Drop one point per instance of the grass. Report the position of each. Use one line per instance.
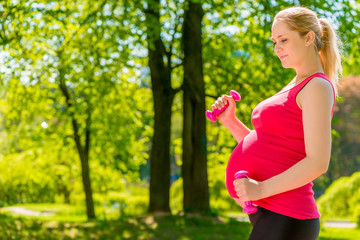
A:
(339, 234)
(69, 222)
(141, 227)
(64, 212)
(56, 212)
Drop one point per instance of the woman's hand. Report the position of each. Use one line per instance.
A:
(228, 118)
(248, 190)
(229, 113)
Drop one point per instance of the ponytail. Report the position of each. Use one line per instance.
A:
(329, 52)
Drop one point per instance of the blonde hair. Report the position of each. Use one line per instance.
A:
(327, 42)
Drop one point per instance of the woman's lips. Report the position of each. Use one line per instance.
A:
(282, 57)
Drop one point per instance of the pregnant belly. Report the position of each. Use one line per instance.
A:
(261, 157)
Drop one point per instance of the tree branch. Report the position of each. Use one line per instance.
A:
(176, 90)
(69, 104)
(211, 96)
(88, 128)
(82, 24)
(177, 65)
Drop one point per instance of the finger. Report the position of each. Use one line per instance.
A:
(229, 99)
(239, 195)
(214, 106)
(225, 99)
(242, 197)
(238, 188)
(239, 181)
(218, 104)
(221, 102)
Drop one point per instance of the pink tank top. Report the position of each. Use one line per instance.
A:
(276, 144)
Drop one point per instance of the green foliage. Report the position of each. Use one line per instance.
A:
(64, 46)
(18, 183)
(40, 176)
(98, 49)
(176, 196)
(342, 199)
(220, 201)
(335, 200)
(122, 203)
(345, 157)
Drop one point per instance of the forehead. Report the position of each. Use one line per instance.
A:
(280, 28)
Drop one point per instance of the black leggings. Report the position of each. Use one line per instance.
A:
(268, 225)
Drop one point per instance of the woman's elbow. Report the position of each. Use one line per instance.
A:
(320, 164)
(323, 164)
(324, 168)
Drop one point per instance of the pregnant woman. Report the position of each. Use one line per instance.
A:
(290, 145)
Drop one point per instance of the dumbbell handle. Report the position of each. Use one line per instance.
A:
(211, 115)
(249, 207)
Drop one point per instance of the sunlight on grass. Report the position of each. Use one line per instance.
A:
(70, 222)
(141, 227)
(339, 234)
(47, 211)
(150, 221)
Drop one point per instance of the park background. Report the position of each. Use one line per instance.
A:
(102, 127)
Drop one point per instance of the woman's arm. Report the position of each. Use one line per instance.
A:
(316, 101)
(237, 129)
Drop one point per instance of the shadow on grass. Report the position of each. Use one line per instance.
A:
(143, 227)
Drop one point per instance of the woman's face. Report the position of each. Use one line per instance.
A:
(289, 46)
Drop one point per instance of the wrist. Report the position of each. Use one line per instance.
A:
(263, 190)
(229, 121)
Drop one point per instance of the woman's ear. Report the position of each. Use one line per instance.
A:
(309, 38)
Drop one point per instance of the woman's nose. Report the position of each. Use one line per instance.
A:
(277, 49)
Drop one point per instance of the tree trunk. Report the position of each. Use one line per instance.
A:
(82, 150)
(85, 173)
(194, 167)
(67, 194)
(163, 96)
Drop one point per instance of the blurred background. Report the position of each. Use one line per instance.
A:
(102, 127)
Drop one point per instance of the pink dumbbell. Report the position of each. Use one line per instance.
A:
(211, 115)
(249, 207)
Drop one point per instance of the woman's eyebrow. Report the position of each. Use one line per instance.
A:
(277, 37)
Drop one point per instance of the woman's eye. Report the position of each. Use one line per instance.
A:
(282, 41)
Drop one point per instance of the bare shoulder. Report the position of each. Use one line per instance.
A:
(317, 89)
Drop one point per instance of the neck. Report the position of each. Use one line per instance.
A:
(309, 66)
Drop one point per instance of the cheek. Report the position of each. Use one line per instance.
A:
(301, 51)
(296, 50)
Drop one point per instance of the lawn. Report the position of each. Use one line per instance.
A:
(142, 227)
(67, 224)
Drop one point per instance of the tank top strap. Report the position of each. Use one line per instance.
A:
(301, 85)
(306, 80)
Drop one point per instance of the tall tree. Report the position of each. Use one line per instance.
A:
(163, 96)
(82, 147)
(72, 55)
(194, 165)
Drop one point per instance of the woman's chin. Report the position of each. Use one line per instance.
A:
(285, 65)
